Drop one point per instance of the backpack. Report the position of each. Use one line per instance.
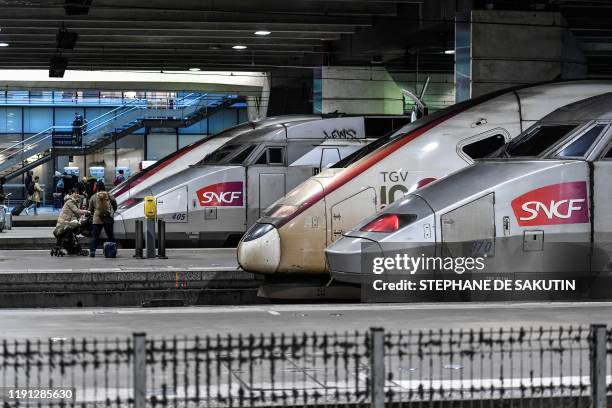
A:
(103, 204)
(31, 188)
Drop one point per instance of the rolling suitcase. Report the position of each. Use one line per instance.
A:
(110, 250)
(20, 207)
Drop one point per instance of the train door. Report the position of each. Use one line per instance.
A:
(469, 230)
(329, 156)
(266, 181)
(602, 217)
(348, 212)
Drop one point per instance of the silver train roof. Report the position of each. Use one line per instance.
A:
(595, 108)
(313, 127)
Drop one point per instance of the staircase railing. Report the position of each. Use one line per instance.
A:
(37, 146)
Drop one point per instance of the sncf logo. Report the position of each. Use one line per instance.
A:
(564, 203)
(228, 194)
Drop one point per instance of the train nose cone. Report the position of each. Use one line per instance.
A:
(346, 258)
(259, 250)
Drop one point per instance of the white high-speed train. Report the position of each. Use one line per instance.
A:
(141, 183)
(538, 208)
(288, 242)
(214, 201)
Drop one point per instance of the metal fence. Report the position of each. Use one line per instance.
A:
(549, 367)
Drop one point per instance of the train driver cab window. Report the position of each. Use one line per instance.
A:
(272, 156)
(484, 147)
(581, 145)
(536, 141)
(242, 156)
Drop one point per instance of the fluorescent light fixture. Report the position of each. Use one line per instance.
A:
(194, 69)
(239, 47)
(449, 52)
(3, 44)
(262, 32)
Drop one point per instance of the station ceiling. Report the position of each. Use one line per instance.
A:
(184, 34)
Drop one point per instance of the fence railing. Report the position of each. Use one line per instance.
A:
(543, 367)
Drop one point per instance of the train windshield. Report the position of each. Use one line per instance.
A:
(229, 154)
(167, 160)
(535, 141)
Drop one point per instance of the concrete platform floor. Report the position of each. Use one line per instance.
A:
(40, 261)
(212, 320)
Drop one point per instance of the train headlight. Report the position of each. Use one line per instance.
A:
(258, 230)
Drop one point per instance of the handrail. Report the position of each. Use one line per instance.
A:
(129, 107)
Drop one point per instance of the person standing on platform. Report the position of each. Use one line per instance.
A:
(102, 205)
(28, 181)
(34, 195)
(120, 177)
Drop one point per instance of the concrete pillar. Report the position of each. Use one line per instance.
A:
(257, 106)
(356, 90)
(498, 49)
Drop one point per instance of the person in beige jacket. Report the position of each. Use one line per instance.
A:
(36, 196)
(70, 212)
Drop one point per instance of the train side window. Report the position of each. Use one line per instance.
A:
(272, 155)
(275, 155)
(580, 146)
(608, 154)
(484, 147)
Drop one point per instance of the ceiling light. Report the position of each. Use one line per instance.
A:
(449, 52)
(3, 44)
(194, 69)
(262, 32)
(239, 47)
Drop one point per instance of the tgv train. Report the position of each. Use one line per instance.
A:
(214, 202)
(540, 204)
(140, 184)
(291, 237)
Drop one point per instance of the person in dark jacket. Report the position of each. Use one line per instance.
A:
(2, 193)
(28, 180)
(102, 205)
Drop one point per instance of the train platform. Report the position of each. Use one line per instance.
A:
(20, 237)
(33, 278)
(297, 318)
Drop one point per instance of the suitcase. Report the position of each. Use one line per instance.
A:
(110, 250)
(20, 207)
(57, 200)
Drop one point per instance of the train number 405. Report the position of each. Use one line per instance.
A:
(179, 216)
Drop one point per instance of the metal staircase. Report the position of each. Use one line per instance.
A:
(108, 128)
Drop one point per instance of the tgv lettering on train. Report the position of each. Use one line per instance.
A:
(341, 134)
